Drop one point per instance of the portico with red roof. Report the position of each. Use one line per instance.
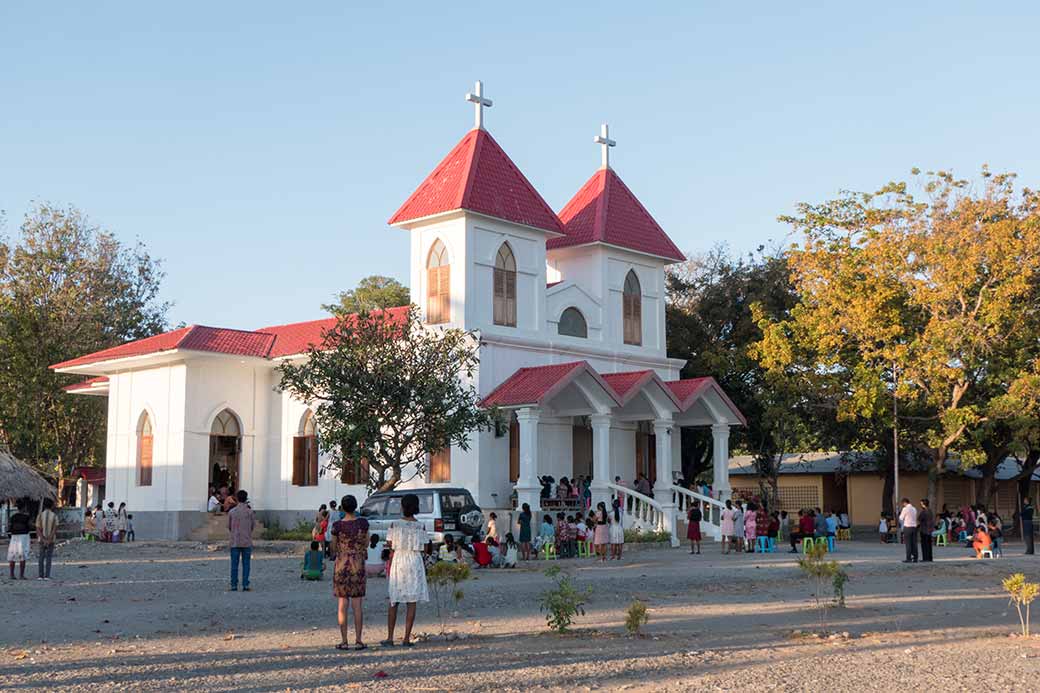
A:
(570, 309)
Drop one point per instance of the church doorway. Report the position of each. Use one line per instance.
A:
(225, 448)
(581, 451)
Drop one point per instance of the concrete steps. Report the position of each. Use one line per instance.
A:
(214, 528)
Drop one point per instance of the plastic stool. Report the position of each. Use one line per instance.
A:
(583, 549)
(940, 540)
(762, 545)
(830, 544)
(987, 553)
(772, 545)
(845, 534)
(807, 544)
(963, 536)
(549, 551)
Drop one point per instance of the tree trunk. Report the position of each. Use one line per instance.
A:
(887, 489)
(1025, 476)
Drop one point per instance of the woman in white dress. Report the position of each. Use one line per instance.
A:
(406, 582)
(617, 531)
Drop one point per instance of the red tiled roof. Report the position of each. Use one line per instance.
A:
(140, 347)
(477, 175)
(268, 342)
(93, 475)
(605, 211)
(686, 391)
(532, 385)
(623, 382)
(88, 384)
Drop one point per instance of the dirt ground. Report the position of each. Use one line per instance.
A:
(159, 616)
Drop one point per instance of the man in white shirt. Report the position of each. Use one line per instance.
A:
(908, 520)
(213, 506)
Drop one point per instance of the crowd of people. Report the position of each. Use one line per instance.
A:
(977, 527)
(108, 523)
(743, 523)
(221, 499)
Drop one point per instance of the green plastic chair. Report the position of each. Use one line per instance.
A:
(549, 551)
(940, 539)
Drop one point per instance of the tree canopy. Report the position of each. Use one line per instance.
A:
(390, 391)
(936, 294)
(372, 293)
(67, 288)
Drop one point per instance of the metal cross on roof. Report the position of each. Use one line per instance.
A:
(603, 139)
(476, 97)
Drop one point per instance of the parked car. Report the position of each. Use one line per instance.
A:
(441, 510)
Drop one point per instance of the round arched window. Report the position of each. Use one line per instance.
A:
(572, 324)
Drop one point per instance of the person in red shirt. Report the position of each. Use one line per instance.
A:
(805, 528)
(480, 553)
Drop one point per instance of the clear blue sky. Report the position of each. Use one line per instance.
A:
(259, 148)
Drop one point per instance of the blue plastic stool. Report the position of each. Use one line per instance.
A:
(830, 544)
(763, 545)
(772, 545)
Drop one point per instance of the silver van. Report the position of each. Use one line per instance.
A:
(441, 510)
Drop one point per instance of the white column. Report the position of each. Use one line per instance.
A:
(527, 486)
(720, 460)
(663, 431)
(600, 459)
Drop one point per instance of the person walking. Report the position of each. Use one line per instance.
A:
(241, 522)
(121, 524)
(1027, 524)
(46, 534)
(350, 539)
(406, 582)
(925, 527)
(908, 521)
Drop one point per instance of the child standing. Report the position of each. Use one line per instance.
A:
(130, 527)
(617, 532)
(882, 529)
(313, 563)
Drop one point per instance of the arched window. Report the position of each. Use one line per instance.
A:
(225, 449)
(632, 310)
(305, 453)
(226, 424)
(438, 285)
(572, 323)
(505, 287)
(144, 450)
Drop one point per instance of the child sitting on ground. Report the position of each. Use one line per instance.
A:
(374, 561)
(449, 551)
(313, 563)
(511, 552)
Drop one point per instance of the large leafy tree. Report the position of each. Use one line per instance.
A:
(372, 293)
(933, 294)
(715, 304)
(390, 391)
(67, 288)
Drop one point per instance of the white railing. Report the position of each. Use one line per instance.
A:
(644, 513)
(711, 510)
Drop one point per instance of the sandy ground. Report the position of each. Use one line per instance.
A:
(158, 616)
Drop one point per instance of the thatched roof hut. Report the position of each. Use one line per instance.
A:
(19, 480)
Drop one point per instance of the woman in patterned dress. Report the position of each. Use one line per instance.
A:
(348, 580)
(406, 582)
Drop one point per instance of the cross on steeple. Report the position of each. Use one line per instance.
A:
(476, 97)
(603, 139)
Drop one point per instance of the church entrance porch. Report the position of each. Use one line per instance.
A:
(225, 449)
(569, 419)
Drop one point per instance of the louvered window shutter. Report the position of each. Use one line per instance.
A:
(299, 458)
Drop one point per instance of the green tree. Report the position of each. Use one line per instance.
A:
(372, 293)
(712, 324)
(66, 288)
(926, 293)
(390, 390)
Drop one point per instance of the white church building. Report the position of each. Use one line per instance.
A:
(570, 308)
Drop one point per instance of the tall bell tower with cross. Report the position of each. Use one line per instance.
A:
(476, 97)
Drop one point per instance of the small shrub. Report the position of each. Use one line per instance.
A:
(636, 536)
(275, 532)
(444, 577)
(1021, 594)
(817, 568)
(636, 617)
(562, 602)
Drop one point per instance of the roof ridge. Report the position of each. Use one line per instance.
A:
(468, 175)
(516, 169)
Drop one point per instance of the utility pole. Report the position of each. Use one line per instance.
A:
(895, 438)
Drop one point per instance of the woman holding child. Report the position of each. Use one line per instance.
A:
(348, 581)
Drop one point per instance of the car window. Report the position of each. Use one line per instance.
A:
(455, 501)
(393, 506)
(373, 506)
